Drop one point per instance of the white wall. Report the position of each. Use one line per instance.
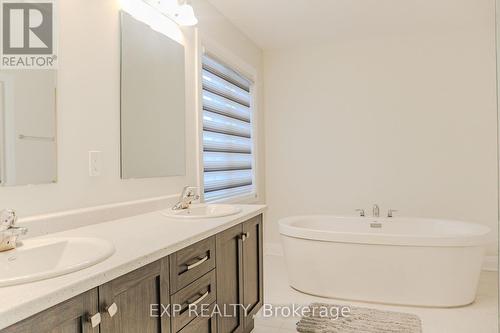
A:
(89, 115)
(405, 119)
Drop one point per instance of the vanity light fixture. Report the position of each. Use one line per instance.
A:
(181, 13)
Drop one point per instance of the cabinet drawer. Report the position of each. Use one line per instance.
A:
(202, 324)
(201, 292)
(191, 263)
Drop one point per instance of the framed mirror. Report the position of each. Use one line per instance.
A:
(152, 102)
(28, 140)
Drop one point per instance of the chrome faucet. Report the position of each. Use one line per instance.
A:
(8, 231)
(187, 197)
(376, 211)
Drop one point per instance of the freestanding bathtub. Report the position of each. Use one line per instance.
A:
(410, 261)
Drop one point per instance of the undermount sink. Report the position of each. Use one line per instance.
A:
(39, 259)
(203, 211)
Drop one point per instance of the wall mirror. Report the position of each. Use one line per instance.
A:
(28, 147)
(152, 102)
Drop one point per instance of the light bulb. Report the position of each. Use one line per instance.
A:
(184, 15)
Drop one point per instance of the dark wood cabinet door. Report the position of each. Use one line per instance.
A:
(229, 254)
(253, 291)
(133, 294)
(68, 317)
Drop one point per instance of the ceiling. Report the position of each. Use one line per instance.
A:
(285, 23)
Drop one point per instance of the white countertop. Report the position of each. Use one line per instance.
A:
(139, 240)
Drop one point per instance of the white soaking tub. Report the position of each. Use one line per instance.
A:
(410, 261)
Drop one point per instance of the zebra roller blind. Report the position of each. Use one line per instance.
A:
(227, 131)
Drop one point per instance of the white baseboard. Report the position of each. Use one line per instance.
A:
(490, 263)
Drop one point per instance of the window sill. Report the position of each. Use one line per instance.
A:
(244, 199)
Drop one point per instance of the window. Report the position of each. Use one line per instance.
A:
(227, 131)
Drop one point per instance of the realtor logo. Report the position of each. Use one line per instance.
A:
(28, 34)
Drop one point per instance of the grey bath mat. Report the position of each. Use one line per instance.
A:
(360, 320)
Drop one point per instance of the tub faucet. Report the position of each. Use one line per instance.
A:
(376, 211)
(361, 212)
(391, 212)
(187, 197)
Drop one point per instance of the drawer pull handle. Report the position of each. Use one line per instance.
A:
(198, 263)
(94, 320)
(112, 310)
(199, 300)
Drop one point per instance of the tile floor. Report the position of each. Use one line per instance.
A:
(480, 317)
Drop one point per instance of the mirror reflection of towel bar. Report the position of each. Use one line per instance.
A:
(36, 138)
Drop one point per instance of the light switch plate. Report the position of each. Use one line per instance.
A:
(95, 163)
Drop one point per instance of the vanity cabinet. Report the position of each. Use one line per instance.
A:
(213, 274)
(125, 303)
(72, 316)
(239, 269)
(253, 271)
(230, 274)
